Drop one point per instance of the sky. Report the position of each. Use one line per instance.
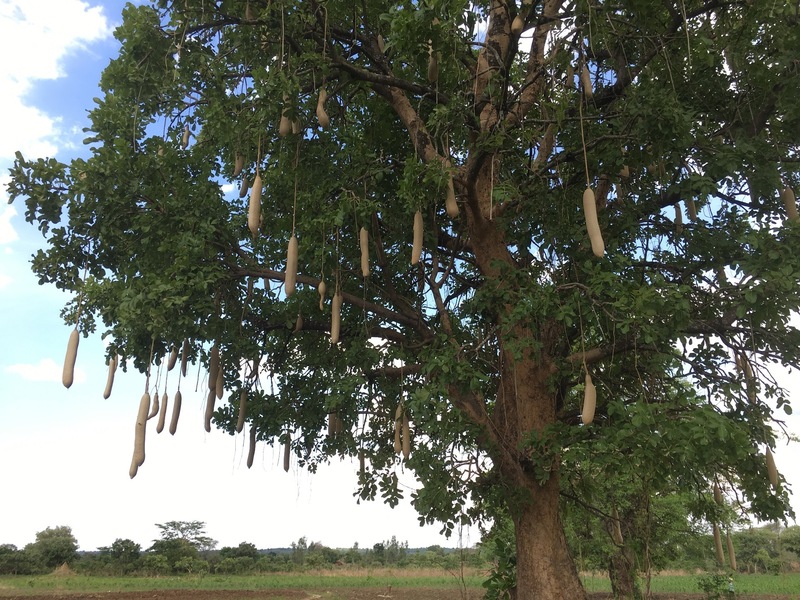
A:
(65, 454)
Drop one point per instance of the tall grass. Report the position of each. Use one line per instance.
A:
(379, 578)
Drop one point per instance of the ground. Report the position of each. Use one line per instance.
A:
(337, 594)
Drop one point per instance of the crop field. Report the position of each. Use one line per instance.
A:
(356, 584)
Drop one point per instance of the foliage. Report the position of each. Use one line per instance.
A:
(124, 553)
(17, 562)
(716, 585)
(54, 546)
(485, 344)
(243, 550)
(192, 532)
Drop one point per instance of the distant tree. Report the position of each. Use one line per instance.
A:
(174, 550)
(757, 549)
(123, 554)
(299, 551)
(396, 553)
(155, 564)
(54, 546)
(244, 549)
(790, 539)
(240, 565)
(353, 555)
(15, 562)
(192, 532)
(191, 565)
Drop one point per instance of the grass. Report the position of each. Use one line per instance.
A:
(786, 584)
(339, 578)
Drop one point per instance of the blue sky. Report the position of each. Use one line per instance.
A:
(64, 454)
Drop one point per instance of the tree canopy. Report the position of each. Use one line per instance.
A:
(54, 546)
(518, 248)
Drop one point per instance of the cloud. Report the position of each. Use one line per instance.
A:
(35, 37)
(46, 370)
(7, 232)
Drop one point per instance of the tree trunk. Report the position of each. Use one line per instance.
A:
(545, 569)
(622, 575)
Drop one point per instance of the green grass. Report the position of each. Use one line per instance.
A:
(788, 584)
(324, 579)
(785, 584)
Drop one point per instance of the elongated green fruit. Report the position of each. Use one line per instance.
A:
(322, 289)
(254, 208)
(433, 65)
(285, 124)
(242, 411)
(416, 248)
(592, 226)
(586, 82)
(210, 401)
(718, 546)
(451, 206)
(287, 456)
(406, 435)
(251, 450)
(616, 529)
(678, 218)
(238, 164)
(691, 209)
(731, 552)
(517, 25)
(185, 138)
(68, 373)
(112, 369)
(717, 494)
(176, 413)
(184, 357)
(336, 317)
(213, 367)
(173, 358)
(154, 406)
(790, 202)
(139, 433)
(398, 429)
(291, 267)
(219, 388)
(589, 400)
(772, 470)
(162, 414)
(322, 116)
(243, 187)
(363, 242)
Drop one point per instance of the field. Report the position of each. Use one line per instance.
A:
(362, 584)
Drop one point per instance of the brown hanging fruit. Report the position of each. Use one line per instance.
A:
(291, 267)
(592, 226)
(254, 208)
(589, 400)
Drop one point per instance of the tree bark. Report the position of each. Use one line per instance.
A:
(622, 575)
(545, 569)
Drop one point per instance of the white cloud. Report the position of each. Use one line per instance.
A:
(46, 370)
(7, 232)
(35, 37)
